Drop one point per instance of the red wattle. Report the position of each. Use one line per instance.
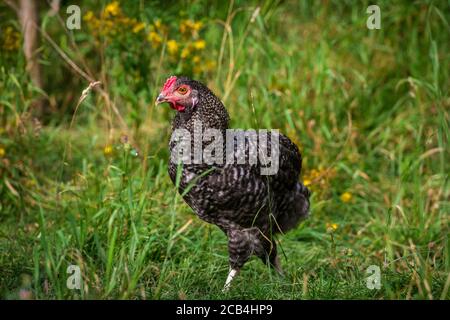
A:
(177, 107)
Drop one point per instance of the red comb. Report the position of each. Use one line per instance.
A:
(169, 82)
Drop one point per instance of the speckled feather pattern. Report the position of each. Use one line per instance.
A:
(249, 207)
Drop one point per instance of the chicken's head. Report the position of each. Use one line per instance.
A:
(179, 93)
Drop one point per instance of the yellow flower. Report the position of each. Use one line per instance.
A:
(107, 150)
(2, 152)
(307, 182)
(200, 44)
(11, 40)
(172, 47)
(106, 27)
(346, 197)
(185, 53)
(154, 38)
(89, 16)
(182, 27)
(157, 23)
(196, 59)
(128, 22)
(138, 27)
(185, 25)
(197, 25)
(112, 9)
(190, 26)
(210, 65)
(331, 227)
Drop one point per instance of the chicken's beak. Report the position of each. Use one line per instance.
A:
(161, 98)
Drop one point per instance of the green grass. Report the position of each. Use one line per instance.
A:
(368, 108)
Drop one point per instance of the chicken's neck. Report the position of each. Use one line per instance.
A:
(209, 113)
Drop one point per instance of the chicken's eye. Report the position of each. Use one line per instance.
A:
(182, 90)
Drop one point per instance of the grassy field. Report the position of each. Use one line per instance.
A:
(86, 182)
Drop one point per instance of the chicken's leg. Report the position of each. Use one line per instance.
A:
(269, 254)
(231, 275)
(240, 249)
(277, 266)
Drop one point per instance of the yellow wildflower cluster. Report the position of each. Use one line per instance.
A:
(112, 21)
(112, 9)
(192, 44)
(10, 39)
(190, 28)
(318, 180)
(317, 176)
(154, 38)
(183, 45)
(208, 66)
(2, 152)
(158, 32)
(190, 48)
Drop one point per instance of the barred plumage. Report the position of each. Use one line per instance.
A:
(249, 207)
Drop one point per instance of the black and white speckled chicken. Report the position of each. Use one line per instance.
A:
(248, 206)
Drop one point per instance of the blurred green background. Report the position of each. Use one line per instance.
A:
(83, 177)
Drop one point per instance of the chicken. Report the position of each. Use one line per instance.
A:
(248, 206)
